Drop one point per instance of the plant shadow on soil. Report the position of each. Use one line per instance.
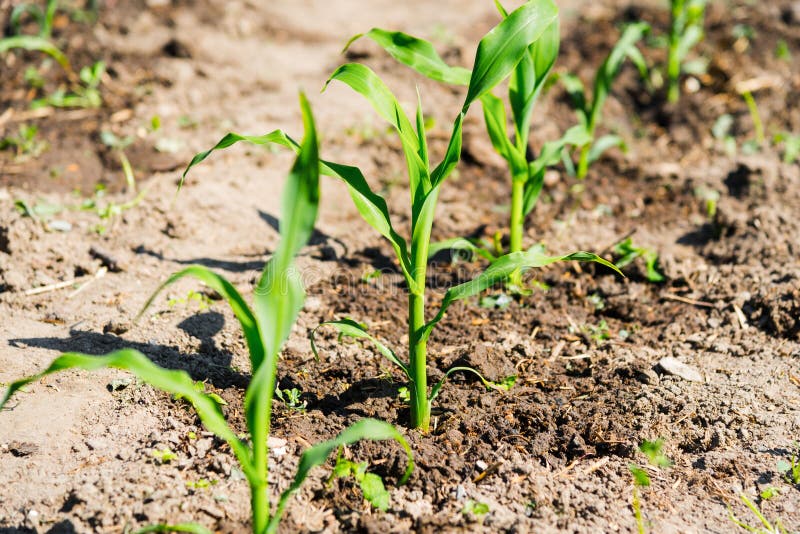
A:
(62, 527)
(209, 362)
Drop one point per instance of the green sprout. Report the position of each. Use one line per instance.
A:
(590, 112)
(653, 450)
(768, 527)
(85, 94)
(118, 145)
(791, 469)
(164, 456)
(43, 19)
(25, 143)
(526, 82)
(371, 484)
(278, 299)
(478, 509)
(628, 252)
(791, 146)
(686, 30)
(291, 397)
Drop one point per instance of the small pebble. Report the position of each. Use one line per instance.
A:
(673, 366)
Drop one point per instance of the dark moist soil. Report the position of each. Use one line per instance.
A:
(552, 454)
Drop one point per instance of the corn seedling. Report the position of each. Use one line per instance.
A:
(118, 145)
(498, 53)
(278, 299)
(767, 527)
(686, 30)
(527, 79)
(590, 111)
(43, 18)
(653, 451)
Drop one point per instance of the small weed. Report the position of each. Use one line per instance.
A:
(475, 508)
(118, 145)
(371, 484)
(782, 51)
(722, 131)
(500, 301)
(200, 387)
(769, 492)
(628, 252)
(791, 469)
(791, 146)
(25, 143)
(201, 484)
(85, 94)
(202, 300)
(291, 398)
(164, 456)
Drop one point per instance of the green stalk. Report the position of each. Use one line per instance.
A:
(583, 162)
(259, 496)
(418, 346)
(757, 124)
(673, 61)
(516, 225)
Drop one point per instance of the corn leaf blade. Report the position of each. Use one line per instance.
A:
(240, 309)
(38, 44)
(500, 270)
(502, 48)
(171, 381)
(417, 54)
(350, 328)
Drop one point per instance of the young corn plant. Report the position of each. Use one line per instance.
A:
(526, 82)
(497, 55)
(278, 299)
(590, 111)
(686, 30)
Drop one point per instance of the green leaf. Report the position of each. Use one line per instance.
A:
(170, 381)
(503, 385)
(275, 136)
(499, 271)
(34, 43)
(350, 328)
(624, 48)
(529, 77)
(418, 54)
(640, 476)
(318, 454)
(451, 156)
(504, 46)
(374, 491)
(364, 81)
(459, 243)
(234, 299)
(494, 116)
(604, 143)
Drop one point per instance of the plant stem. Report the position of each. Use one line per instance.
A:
(516, 225)
(583, 162)
(259, 497)
(418, 347)
(673, 61)
(420, 407)
(757, 124)
(637, 511)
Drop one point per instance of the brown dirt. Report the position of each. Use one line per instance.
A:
(76, 451)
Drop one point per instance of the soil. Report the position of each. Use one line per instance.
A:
(79, 452)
